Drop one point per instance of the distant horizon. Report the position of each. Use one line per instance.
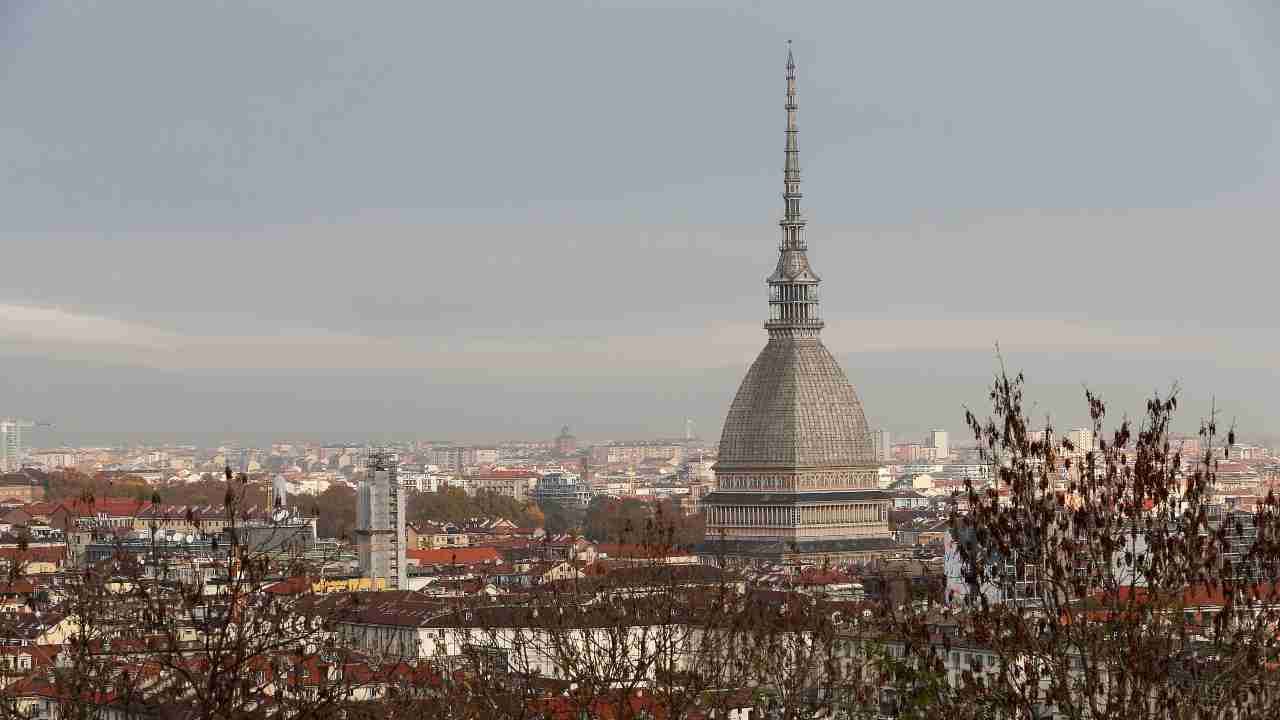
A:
(1063, 398)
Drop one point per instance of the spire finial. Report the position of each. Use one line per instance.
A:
(793, 286)
(791, 168)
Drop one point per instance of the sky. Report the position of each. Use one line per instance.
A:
(485, 220)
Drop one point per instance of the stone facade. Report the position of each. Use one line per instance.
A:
(797, 475)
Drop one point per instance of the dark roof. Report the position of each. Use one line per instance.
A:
(723, 497)
(403, 608)
(776, 548)
(25, 476)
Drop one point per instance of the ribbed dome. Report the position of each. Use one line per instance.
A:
(795, 409)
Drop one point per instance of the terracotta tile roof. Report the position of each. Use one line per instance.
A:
(17, 587)
(455, 556)
(110, 506)
(55, 554)
(291, 586)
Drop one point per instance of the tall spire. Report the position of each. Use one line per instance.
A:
(793, 286)
(791, 169)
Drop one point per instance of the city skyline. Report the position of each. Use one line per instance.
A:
(210, 271)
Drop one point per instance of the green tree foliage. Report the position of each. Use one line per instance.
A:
(336, 508)
(213, 491)
(559, 519)
(626, 520)
(454, 505)
(616, 520)
(73, 484)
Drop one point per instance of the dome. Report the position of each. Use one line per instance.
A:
(795, 409)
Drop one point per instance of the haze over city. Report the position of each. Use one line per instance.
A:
(431, 221)
(624, 361)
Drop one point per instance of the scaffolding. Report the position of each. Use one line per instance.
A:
(380, 520)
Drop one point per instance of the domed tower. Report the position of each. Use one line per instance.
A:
(797, 474)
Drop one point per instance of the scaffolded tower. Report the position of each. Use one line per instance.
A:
(380, 514)
(279, 492)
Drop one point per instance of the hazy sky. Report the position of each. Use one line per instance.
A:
(488, 219)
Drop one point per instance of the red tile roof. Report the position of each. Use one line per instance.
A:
(111, 506)
(291, 586)
(454, 556)
(55, 554)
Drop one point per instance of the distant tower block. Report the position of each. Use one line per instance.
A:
(882, 440)
(939, 442)
(380, 516)
(11, 451)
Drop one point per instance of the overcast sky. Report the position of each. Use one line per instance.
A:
(478, 220)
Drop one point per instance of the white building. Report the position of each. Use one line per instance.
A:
(10, 444)
(55, 459)
(979, 473)
(1082, 439)
(563, 488)
(939, 442)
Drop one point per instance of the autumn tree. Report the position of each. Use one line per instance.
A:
(1103, 581)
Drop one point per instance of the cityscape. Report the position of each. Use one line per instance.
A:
(804, 557)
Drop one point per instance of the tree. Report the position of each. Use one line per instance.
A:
(558, 519)
(336, 510)
(1100, 582)
(613, 520)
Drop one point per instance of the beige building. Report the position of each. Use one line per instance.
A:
(515, 484)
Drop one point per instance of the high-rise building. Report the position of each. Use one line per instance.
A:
(797, 471)
(1082, 439)
(380, 514)
(10, 444)
(938, 441)
(882, 442)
